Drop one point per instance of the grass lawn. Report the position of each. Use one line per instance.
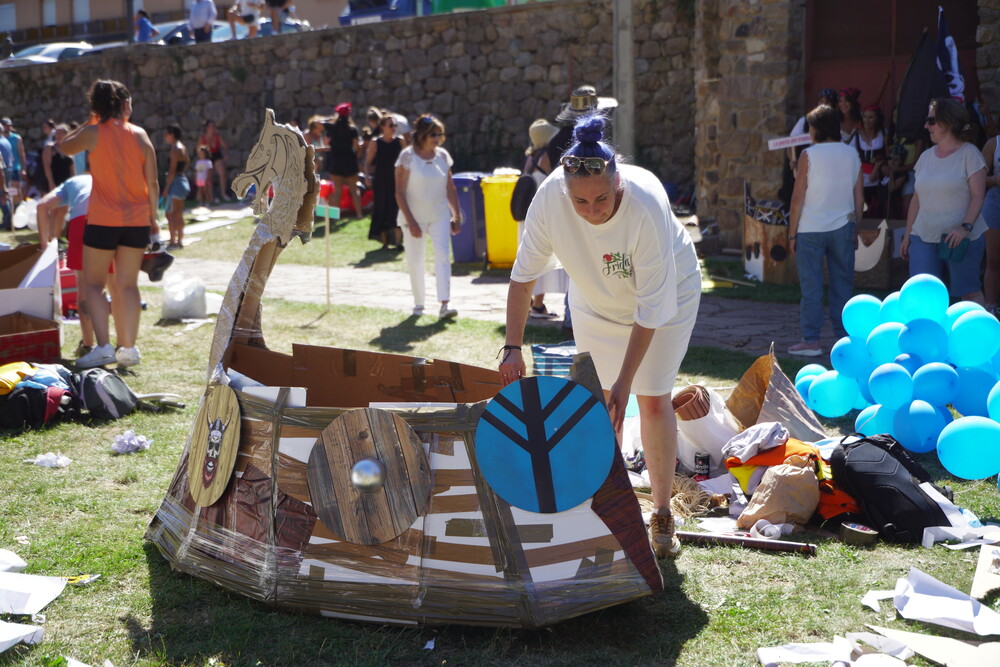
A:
(719, 606)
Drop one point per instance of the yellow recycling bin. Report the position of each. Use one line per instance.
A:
(501, 228)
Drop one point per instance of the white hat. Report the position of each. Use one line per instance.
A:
(541, 133)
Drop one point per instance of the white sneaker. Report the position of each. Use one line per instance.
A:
(99, 356)
(128, 356)
(418, 310)
(447, 313)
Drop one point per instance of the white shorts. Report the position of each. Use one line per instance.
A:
(607, 341)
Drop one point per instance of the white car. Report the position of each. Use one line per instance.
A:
(46, 53)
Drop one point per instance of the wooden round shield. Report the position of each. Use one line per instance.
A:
(545, 444)
(365, 513)
(214, 443)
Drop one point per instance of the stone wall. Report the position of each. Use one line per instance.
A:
(988, 52)
(749, 78)
(488, 74)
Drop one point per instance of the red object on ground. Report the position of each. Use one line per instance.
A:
(68, 288)
(346, 205)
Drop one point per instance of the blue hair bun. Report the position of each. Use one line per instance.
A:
(590, 130)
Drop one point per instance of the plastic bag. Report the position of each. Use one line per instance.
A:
(184, 298)
(26, 215)
(707, 433)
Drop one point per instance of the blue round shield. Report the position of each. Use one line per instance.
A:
(545, 444)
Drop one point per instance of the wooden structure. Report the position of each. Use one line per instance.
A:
(356, 490)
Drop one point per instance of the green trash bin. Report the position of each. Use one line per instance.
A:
(501, 228)
(443, 6)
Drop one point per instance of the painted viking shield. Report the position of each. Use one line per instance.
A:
(214, 442)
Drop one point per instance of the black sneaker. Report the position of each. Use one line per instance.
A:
(156, 263)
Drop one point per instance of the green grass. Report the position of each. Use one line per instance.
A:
(719, 606)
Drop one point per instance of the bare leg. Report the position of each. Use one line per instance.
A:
(658, 430)
(93, 303)
(117, 305)
(220, 169)
(127, 263)
(86, 327)
(333, 199)
(352, 187)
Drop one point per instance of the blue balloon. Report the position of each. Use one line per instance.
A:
(860, 315)
(924, 338)
(890, 311)
(832, 394)
(917, 426)
(809, 369)
(923, 296)
(975, 338)
(993, 403)
(883, 342)
(864, 391)
(910, 362)
(849, 356)
(874, 419)
(860, 403)
(802, 386)
(974, 385)
(956, 310)
(970, 448)
(935, 383)
(996, 363)
(891, 386)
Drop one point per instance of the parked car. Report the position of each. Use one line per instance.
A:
(287, 25)
(46, 53)
(179, 32)
(359, 12)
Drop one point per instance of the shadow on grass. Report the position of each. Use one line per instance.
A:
(401, 337)
(319, 227)
(194, 621)
(378, 256)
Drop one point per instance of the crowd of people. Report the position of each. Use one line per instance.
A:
(944, 182)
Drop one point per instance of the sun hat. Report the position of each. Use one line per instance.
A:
(583, 101)
(541, 133)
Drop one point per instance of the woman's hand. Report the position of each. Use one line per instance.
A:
(512, 367)
(617, 402)
(415, 230)
(456, 224)
(956, 236)
(904, 247)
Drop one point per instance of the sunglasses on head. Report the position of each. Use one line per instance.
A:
(930, 120)
(594, 165)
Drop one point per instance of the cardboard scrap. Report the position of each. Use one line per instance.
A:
(13, 633)
(987, 576)
(27, 593)
(944, 650)
(921, 597)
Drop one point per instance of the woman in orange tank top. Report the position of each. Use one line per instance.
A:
(121, 215)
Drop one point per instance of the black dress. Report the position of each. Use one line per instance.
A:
(385, 209)
(341, 159)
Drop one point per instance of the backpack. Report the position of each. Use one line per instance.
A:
(104, 395)
(33, 405)
(878, 473)
(525, 188)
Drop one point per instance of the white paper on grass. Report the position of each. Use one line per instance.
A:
(11, 562)
(887, 645)
(13, 633)
(967, 536)
(837, 650)
(27, 593)
(921, 597)
(871, 599)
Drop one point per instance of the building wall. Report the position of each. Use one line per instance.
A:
(488, 74)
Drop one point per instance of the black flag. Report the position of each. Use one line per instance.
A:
(922, 82)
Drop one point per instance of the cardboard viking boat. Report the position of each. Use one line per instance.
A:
(348, 483)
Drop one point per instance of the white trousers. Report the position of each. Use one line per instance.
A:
(416, 254)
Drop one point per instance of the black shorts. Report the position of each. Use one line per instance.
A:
(277, 4)
(110, 238)
(249, 19)
(216, 157)
(202, 35)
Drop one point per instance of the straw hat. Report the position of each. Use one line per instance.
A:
(583, 101)
(541, 133)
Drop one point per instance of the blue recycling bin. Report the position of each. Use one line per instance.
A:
(469, 245)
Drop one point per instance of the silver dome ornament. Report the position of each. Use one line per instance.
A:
(368, 475)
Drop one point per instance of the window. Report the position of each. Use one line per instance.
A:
(8, 17)
(81, 11)
(49, 12)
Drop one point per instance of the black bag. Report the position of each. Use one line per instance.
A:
(32, 405)
(524, 192)
(878, 473)
(104, 395)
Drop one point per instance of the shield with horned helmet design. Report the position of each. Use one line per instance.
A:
(214, 442)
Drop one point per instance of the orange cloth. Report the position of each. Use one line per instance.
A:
(777, 455)
(120, 195)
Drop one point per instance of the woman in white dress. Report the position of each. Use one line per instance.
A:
(636, 289)
(428, 205)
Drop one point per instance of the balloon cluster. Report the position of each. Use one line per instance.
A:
(904, 360)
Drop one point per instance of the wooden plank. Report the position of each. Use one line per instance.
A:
(331, 501)
(560, 553)
(454, 504)
(389, 434)
(375, 507)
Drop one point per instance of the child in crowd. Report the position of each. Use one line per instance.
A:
(202, 167)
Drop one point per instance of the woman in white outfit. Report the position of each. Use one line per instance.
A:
(636, 289)
(428, 206)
